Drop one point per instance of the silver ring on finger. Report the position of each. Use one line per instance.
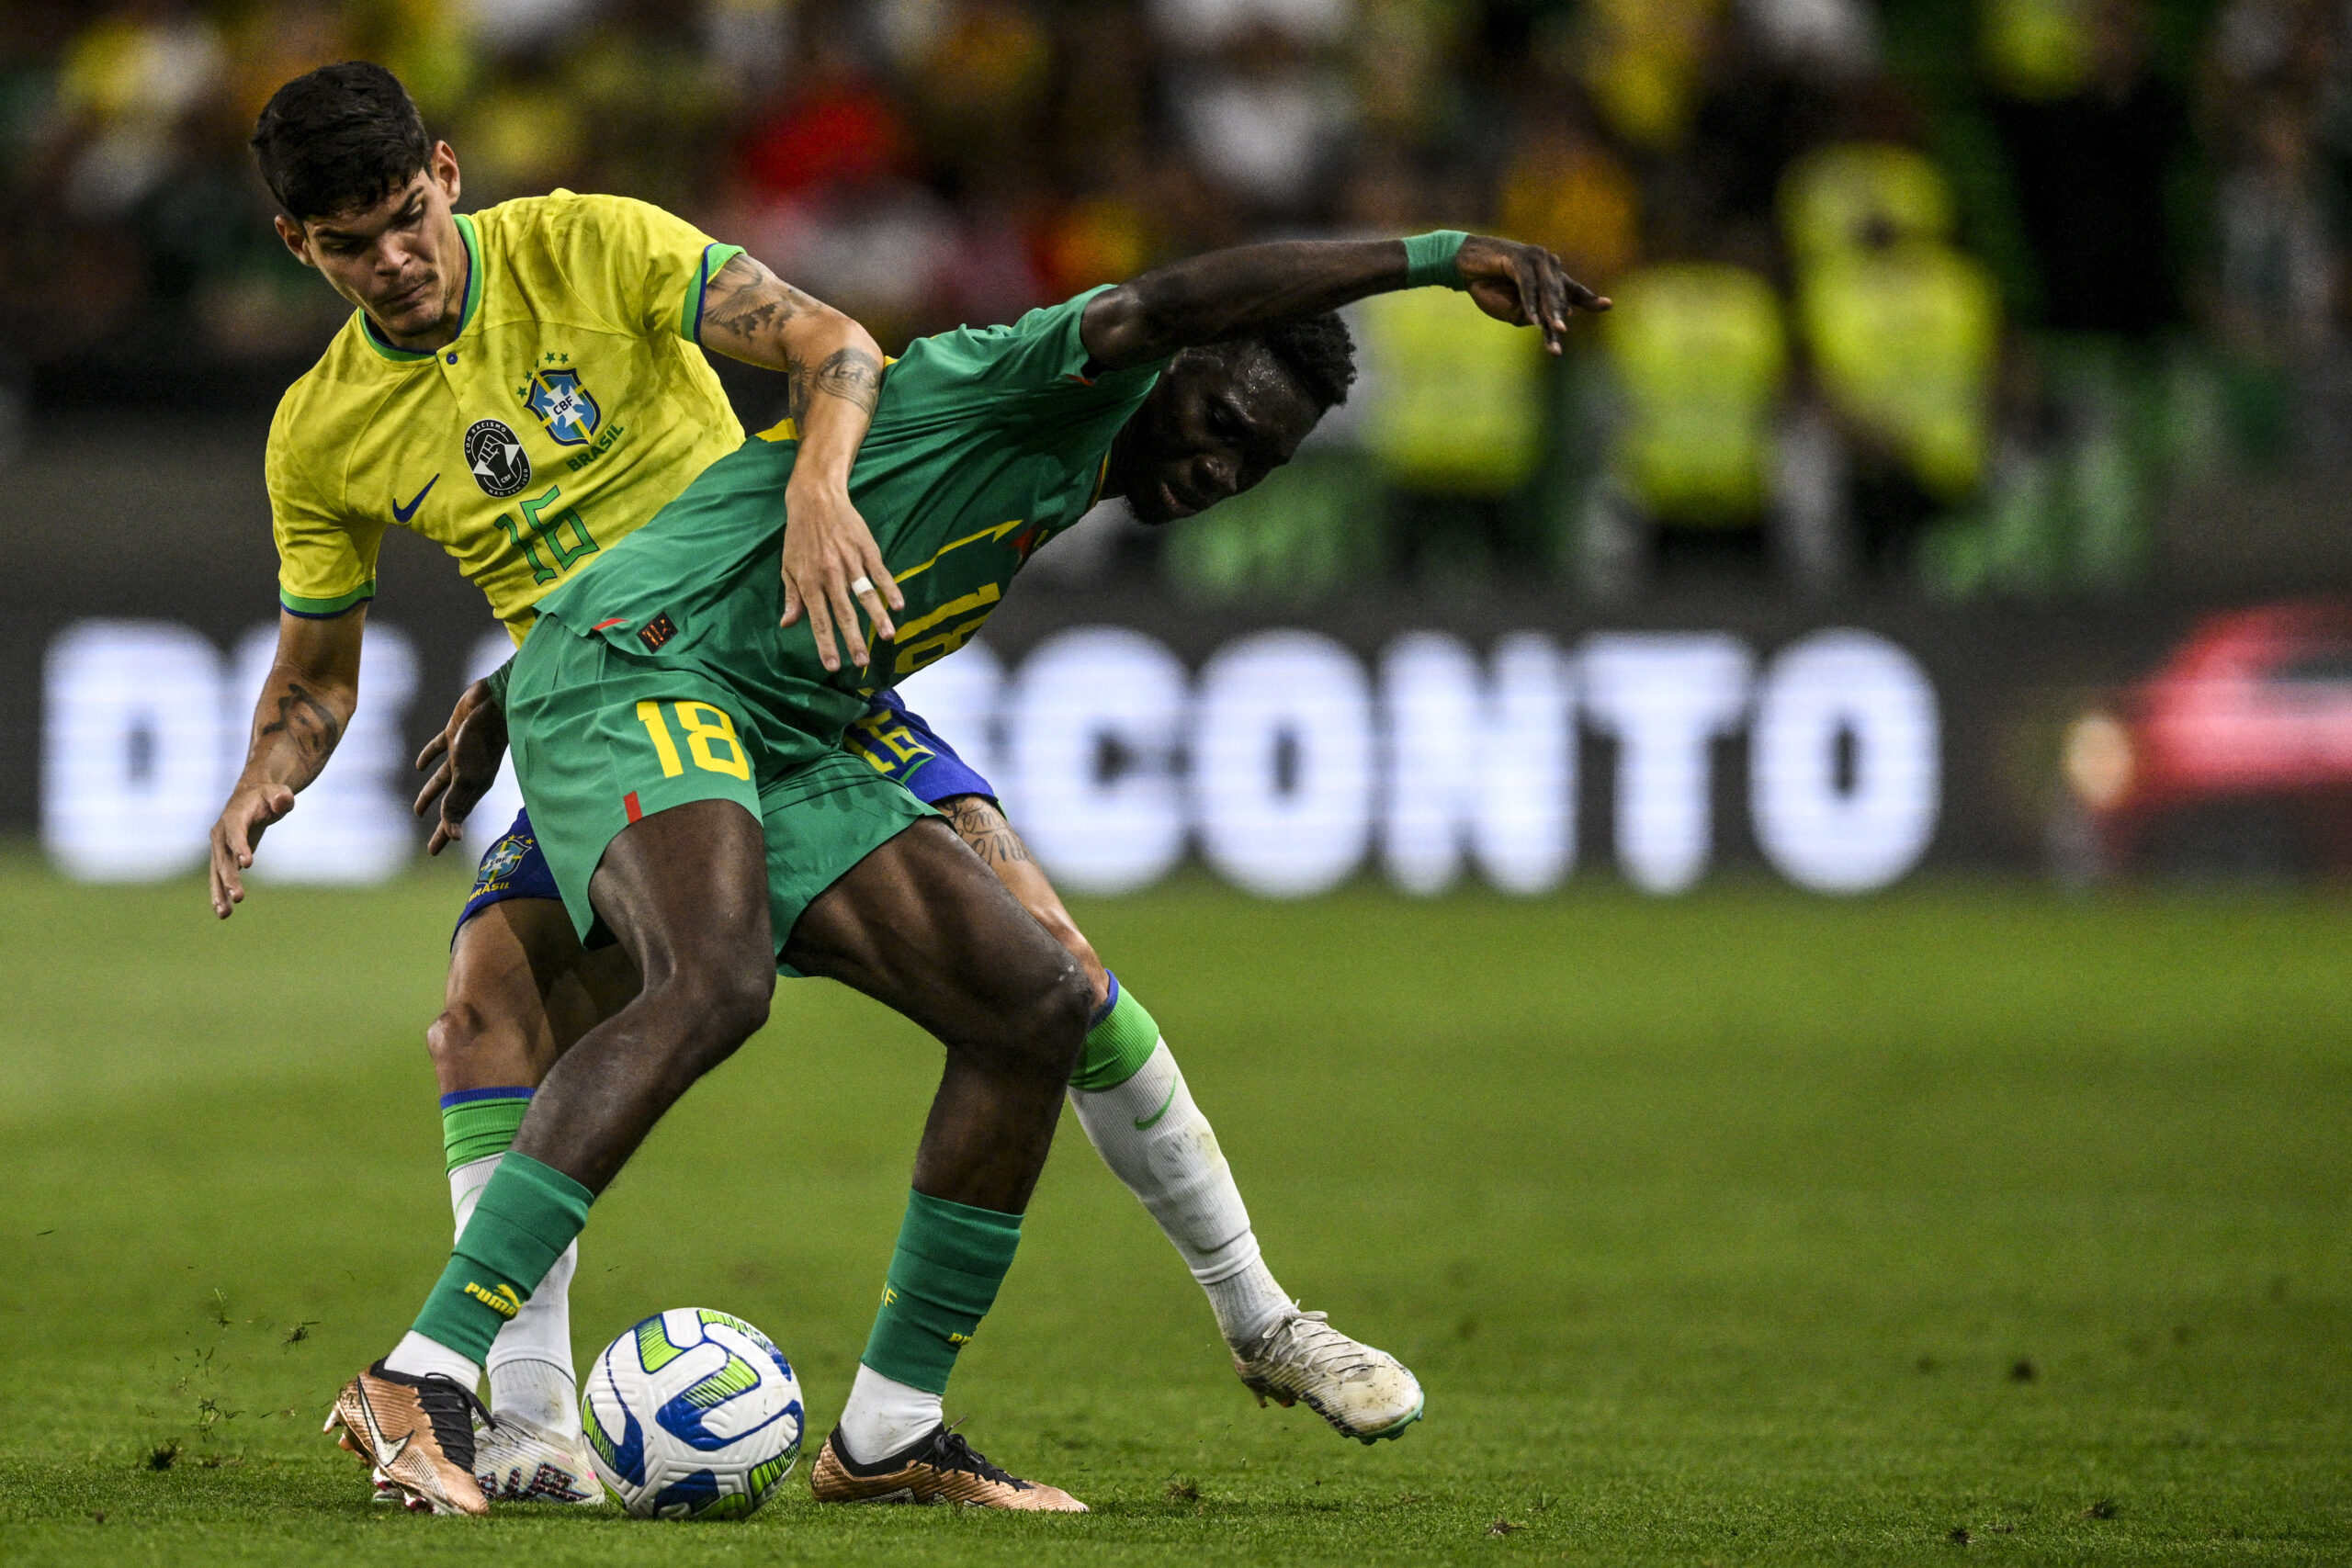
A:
(861, 585)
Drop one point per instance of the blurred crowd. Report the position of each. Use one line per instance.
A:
(1943, 292)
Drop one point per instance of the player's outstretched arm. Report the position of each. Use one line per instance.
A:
(1229, 294)
(307, 702)
(834, 367)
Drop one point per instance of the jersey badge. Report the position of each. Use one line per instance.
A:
(563, 405)
(495, 455)
(656, 632)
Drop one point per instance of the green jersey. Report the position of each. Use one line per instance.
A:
(985, 443)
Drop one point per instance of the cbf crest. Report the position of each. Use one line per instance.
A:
(564, 406)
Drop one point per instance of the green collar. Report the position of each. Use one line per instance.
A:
(368, 328)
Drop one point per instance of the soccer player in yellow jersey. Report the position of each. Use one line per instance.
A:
(523, 387)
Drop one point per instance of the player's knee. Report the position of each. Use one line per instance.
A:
(1050, 1024)
(722, 1005)
(463, 1039)
(1059, 926)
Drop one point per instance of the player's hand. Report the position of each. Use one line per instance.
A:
(250, 810)
(832, 568)
(461, 763)
(1525, 285)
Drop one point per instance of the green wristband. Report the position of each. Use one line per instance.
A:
(1430, 258)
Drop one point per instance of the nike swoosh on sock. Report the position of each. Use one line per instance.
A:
(1146, 1123)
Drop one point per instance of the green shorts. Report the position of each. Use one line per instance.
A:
(601, 739)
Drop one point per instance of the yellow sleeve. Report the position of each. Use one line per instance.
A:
(326, 559)
(639, 267)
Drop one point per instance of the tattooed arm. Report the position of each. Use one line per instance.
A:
(313, 687)
(833, 371)
(981, 825)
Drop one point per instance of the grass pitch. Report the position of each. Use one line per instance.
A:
(1962, 1223)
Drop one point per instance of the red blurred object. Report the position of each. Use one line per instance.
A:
(840, 133)
(2234, 754)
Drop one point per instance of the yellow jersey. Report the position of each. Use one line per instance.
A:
(573, 404)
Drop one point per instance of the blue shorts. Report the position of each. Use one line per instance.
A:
(898, 744)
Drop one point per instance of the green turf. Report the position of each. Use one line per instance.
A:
(1744, 1227)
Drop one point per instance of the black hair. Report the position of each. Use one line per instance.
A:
(340, 139)
(1319, 354)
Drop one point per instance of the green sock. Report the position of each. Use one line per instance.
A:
(1118, 1046)
(479, 1122)
(527, 1215)
(944, 1279)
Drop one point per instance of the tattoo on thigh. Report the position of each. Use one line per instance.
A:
(983, 827)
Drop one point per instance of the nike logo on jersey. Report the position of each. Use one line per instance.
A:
(400, 514)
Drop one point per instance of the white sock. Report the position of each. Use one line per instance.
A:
(417, 1357)
(540, 1391)
(884, 1415)
(530, 1363)
(1155, 1139)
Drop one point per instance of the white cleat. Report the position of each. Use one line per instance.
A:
(1365, 1394)
(520, 1461)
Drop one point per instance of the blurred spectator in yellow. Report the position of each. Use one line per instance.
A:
(1697, 359)
(1903, 332)
(1699, 354)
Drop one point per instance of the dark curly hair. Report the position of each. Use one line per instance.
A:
(1318, 353)
(340, 139)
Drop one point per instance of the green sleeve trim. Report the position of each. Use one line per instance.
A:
(1432, 258)
(1117, 1047)
(690, 313)
(498, 679)
(321, 609)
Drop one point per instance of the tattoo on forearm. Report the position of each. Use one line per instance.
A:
(306, 721)
(983, 827)
(851, 373)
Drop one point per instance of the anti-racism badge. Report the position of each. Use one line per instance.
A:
(495, 455)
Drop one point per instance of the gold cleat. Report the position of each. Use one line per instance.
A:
(417, 1432)
(938, 1467)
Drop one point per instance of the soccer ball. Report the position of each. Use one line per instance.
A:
(693, 1414)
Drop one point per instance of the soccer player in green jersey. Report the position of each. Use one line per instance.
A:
(524, 386)
(681, 757)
